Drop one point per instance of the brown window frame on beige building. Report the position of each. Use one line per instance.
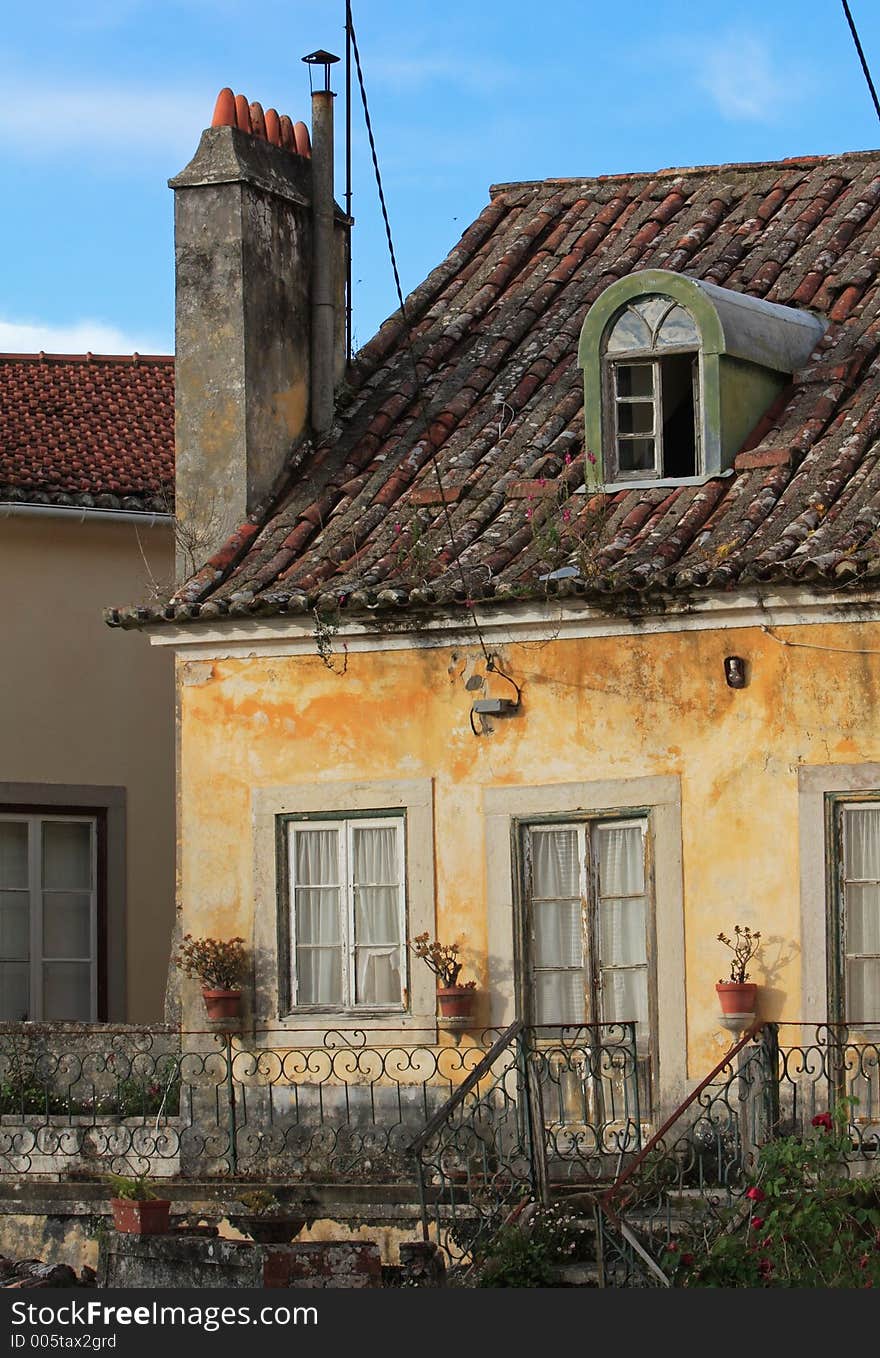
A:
(105, 807)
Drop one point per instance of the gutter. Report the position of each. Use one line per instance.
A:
(79, 514)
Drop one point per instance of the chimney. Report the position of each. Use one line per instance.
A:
(248, 211)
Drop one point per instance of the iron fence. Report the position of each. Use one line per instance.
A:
(472, 1129)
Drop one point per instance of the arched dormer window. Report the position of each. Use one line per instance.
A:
(652, 377)
(677, 373)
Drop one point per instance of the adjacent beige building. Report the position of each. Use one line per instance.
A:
(86, 718)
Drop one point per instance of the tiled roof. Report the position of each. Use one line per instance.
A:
(499, 402)
(87, 430)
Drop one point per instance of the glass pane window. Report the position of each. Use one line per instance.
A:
(48, 917)
(859, 912)
(652, 413)
(347, 913)
(587, 919)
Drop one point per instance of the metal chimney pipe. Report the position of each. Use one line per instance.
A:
(323, 306)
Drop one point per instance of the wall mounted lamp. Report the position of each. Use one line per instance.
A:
(496, 707)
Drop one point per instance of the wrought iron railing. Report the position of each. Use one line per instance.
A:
(205, 1104)
(545, 1106)
(471, 1128)
(686, 1183)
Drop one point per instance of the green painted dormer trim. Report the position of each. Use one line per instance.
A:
(748, 349)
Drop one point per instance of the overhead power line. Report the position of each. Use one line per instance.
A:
(862, 58)
(419, 395)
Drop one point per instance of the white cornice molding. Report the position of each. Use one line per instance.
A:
(290, 635)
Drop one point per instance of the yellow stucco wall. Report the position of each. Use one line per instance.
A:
(599, 708)
(84, 705)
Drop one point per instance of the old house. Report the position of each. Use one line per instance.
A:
(86, 728)
(549, 625)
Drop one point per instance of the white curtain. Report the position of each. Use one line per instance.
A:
(558, 930)
(316, 905)
(66, 859)
(376, 915)
(622, 924)
(862, 911)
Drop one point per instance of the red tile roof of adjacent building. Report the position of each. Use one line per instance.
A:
(498, 402)
(87, 430)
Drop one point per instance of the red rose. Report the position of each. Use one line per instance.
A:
(757, 1223)
(687, 1260)
(755, 1194)
(824, 1120)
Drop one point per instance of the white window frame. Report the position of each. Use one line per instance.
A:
(346, 827)
(36, 891)
(652, 358)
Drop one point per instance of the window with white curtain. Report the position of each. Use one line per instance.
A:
(48, 917)
(347, 913)
(586, 922)
(856, 984)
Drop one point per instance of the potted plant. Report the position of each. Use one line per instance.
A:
(267, 1220)
(137, 1210)
(455, 1001)
(220, 966)
(737, 994)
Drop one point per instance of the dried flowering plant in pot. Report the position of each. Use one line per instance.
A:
(737, 993)
(456, 1000)
(219, 964)
(267, 1220)
(137, 1210)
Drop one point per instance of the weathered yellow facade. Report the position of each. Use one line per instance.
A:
(597, 712)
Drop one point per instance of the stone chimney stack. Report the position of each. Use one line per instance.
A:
(244, 231)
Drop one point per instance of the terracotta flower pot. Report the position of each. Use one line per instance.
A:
(456, 1001)
(222, 1004)
(141, 1218)
(736, 999)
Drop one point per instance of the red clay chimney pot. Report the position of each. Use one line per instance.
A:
(303, 144)
(224, 109)
(258, 122)
(288, 141)
(242, 114)
(273, 127)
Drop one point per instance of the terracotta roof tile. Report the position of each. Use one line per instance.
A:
(495, 329)
(87, 430)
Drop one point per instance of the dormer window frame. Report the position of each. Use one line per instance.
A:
(746, 351)
(614, 399)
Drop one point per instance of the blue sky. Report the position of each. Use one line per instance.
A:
(105, 100)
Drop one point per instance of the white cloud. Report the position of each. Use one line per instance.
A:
(406, 75)
(139, 121)
(31, 336)
(745, 78)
